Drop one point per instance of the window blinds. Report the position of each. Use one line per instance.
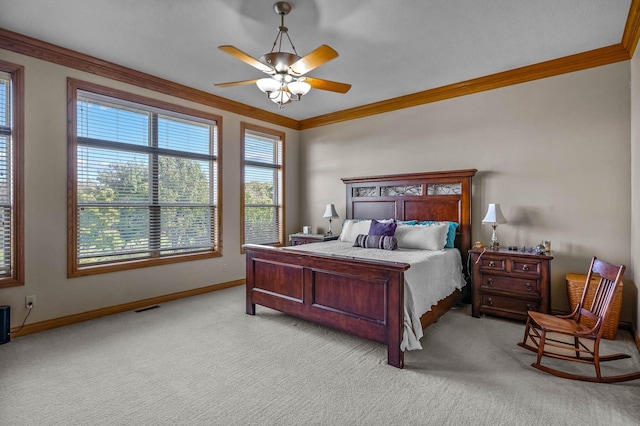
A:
(263, 188)
(145, 181)
(6, 176)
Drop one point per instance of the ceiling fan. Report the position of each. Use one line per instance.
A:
(287, 80)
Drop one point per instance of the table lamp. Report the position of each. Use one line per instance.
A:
(330, 212)
(493, 217)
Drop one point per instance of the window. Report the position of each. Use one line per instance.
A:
(11, 170)
(144, 180)
(262, 185)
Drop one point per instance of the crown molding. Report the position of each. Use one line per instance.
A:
(632, 28)
(581, 61)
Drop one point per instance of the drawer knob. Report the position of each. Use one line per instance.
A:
(490, 282)
(490, 301)
(529, 307)
(528, 286)
(492, 263)
(525, 267)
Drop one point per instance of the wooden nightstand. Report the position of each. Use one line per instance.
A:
(510, 283)
(298, 239)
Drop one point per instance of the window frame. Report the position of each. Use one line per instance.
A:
(16, 278)
(74, 268)
(244, 127)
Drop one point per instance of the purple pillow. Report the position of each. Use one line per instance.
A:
(384, 229)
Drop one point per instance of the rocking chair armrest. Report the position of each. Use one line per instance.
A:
(593, 331)
(572, 315)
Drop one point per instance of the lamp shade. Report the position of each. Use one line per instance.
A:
(494, 215)
(299, 88)
(331, 212)
(268, 85)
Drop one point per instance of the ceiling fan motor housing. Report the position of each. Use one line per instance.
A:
(280, 61)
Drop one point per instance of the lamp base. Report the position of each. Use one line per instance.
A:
(329, 233)
(495, 245)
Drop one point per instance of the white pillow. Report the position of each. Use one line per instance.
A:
(352, 228)
(432, 237)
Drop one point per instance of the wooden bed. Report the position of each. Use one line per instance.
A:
(359, 296)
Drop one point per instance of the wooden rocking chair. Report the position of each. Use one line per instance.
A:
(539, 325)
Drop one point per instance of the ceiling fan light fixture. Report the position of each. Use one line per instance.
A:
(268, 85)
(280, 97)
(299, 88)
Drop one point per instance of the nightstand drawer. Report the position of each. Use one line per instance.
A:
(493, 264)
(529, 267)
(521, 285)
(508, 304)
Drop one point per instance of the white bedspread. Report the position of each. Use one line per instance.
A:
(433, 275)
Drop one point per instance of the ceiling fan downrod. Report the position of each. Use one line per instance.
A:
(282, 8)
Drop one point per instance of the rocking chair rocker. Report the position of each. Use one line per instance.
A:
(539, 325)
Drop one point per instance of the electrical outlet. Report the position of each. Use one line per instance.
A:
(224, 268)
(30, 301)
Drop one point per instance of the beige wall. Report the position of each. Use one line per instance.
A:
(635, 178)
(45, 204)
(554, 152)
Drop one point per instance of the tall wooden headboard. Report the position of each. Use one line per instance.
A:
(441, 196)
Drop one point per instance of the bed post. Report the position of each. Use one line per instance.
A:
(249, 284)
(395, 318)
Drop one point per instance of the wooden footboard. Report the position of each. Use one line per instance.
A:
(360, 297)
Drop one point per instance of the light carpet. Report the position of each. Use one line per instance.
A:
(203, 361)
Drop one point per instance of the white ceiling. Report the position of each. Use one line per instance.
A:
(387, 48)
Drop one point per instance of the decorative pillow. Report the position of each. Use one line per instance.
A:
(352, 228)
(379, 228)
(384, 242)
(451, 235)
(431, 237)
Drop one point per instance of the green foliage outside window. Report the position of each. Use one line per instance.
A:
(122, 224)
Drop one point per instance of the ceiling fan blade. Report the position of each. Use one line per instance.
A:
(332, 86)
(237, 83)
(239, 54)
(313, 60)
